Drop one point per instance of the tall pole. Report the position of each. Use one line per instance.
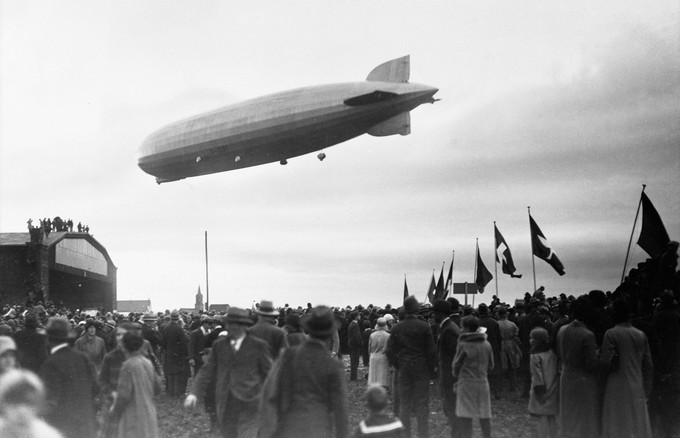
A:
(533, 262)
(630, 242)
(207, 289)
(495, 259)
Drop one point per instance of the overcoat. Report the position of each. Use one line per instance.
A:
(304, 395)
(135, 408)
(543, 368)
(70, 387)
(274, 336)
(629, 382)
(378, 365)
(471, 365)
(175, 343)
(579, 389)
(239, 374)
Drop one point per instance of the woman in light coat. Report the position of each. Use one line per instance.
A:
(629, 380)
(378, 365)
(471, 365)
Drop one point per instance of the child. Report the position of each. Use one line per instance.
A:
(379, 424)
(543, 400)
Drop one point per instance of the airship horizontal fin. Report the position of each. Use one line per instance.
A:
(396, 70)
(399, 124)
(374, 97)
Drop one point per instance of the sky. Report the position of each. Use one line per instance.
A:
(564, 107)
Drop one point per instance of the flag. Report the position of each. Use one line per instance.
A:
(439, 293)
(405, 289)
(653, 236)
(539, 245)
(507, 265)
(482, 276)
(430, 291)
(449, 278)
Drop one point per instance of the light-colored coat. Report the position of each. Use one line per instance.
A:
(378, 365)
(135, 408)
(624, 413)
(471, 365)
(543, 368)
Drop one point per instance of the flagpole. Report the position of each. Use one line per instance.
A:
(475, 275)
(533, 262)
(630, 242)
(495, 263)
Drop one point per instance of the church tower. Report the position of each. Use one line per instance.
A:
(198, 306)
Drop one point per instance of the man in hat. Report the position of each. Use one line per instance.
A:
(446, 343)
(267, 330)
(70, 384)
(355, 343)
(197, 340)
(237, 367)
(31, 345)
(150, 332)
(305, 395)
(493, 335)
(410, 349)
(91, 345)
(175, 343)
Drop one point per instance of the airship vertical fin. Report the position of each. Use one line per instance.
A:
(399, 124)
(396, 70)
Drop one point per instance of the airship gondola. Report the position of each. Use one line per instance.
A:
(280, 126)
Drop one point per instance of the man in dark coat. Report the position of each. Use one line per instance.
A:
(446, 343)
(175, 344)
(70, 384)
(237, 367)
(305, 394)
(197, 340)
(354, 343)
(267, 330)
(31, 345)
(411, 351)
(493, 335)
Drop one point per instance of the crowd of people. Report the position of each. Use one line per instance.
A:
(48, 225)
(597, 365)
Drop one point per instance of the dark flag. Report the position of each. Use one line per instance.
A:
(405, 289)
(507, 265)
(430, 291)
(439, 293)
(541, 249)
(653, 236)
(449, 278)
(482, 276)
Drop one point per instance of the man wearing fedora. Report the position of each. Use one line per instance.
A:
(267, 330)
(305, 394)
(175, 344)
(70, 384)
(237, 367)
(410, 349)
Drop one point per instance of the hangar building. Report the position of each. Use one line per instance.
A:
(63, 267)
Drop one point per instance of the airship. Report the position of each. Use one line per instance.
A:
(284, 125)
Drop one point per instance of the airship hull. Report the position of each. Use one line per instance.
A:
(275, 127)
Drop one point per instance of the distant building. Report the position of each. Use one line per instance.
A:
(219, 308)
(136, 306)
(67, 268)
(198, 306)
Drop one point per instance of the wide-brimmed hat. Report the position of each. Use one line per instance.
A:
(266, 308)
(320, 323)
(58, 329)
(238, 316)
(150, 316)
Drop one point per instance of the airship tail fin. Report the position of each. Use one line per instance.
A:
(396, 70)
(399, 124)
